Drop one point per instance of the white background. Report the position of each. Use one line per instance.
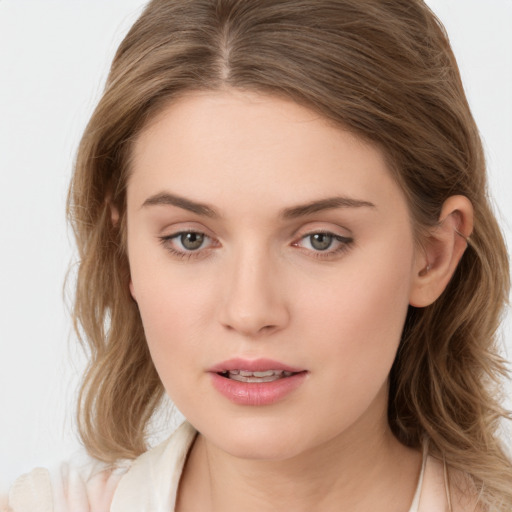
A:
(54, 57)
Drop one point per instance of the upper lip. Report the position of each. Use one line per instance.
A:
(253, 365)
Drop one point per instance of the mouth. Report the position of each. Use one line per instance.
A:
(256, 376)
(256, 382)
(255, 370)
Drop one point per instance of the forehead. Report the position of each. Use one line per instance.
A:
(223, 146)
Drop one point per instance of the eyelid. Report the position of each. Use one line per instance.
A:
(344, 243)
(183, 253)
(321, 226)
(341, 238)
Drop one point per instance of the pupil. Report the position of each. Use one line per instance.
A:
(321, 241)
(192, 241)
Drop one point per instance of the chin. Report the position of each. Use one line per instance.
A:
(260, 439)
(262, 448)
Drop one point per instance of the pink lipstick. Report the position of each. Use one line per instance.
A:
(256, 382)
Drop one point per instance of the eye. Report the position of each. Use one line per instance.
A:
(186, 244)
(324, 244)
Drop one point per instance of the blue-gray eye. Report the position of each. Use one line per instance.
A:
(192, 241)
(321, 241)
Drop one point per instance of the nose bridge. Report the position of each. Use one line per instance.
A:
(254, 300)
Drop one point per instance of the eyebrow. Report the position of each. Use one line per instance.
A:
(324, 204)
(167, 199)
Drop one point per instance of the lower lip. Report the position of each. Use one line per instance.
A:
(257, 393)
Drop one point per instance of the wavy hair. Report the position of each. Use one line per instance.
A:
(383, 69)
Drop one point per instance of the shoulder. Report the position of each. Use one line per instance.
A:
(86, 486)
(32, 491)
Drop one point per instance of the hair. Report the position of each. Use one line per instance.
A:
(382, 69)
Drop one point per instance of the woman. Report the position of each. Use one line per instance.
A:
(281, 216)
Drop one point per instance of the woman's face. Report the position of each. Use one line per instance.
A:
(263, 239)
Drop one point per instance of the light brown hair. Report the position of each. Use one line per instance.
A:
(383, 69)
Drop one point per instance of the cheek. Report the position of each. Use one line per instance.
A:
(170, 311)
(176, 311)
(165, 322)
(357, 320)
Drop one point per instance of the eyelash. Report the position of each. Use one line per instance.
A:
(184, 254)
(344, 245)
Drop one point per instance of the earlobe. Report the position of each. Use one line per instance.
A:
(441, 251)
(132, 291)
(114, 218)
(114, 213)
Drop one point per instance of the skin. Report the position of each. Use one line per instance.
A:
(259, 288)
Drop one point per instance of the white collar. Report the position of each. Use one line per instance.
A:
(151, 483)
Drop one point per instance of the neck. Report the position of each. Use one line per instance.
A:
(364, 468)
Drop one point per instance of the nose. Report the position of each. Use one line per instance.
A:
(254, 297)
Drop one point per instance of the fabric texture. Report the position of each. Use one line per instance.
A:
(150, 483)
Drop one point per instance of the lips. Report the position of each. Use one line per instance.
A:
(256, 382)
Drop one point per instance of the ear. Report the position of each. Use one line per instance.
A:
(114, 217)
(114, 211)
(439, 254)
(132, 290)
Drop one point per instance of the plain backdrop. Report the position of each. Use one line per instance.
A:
(54, 57)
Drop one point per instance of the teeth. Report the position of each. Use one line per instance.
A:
(268, 373)
(265, 376)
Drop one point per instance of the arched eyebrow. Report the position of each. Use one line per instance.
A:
(205, 210)
(165, 198)
(324, 204)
